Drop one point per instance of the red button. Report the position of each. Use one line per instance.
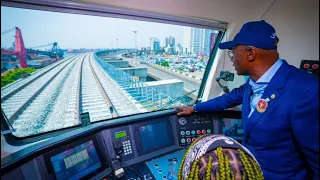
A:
(315, 66)
(193, 139)
(306, 66)
(198, 132)
(188, 140)
(203, 131)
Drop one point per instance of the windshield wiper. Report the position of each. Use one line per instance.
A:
(10, 130)
(169, 103)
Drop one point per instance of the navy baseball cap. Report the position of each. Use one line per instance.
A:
(259, 34)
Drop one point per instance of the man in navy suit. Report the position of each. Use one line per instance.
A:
(280, 105)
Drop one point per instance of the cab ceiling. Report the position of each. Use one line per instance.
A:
(220, 10)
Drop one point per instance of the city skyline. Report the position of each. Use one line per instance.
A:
(81, 31)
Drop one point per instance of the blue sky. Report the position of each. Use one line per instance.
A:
(81, 31)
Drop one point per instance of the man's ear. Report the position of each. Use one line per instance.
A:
(251, 54)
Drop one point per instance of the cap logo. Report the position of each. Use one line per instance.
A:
(273, 35)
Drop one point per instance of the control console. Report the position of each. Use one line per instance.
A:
(191, 127)
(122, 142)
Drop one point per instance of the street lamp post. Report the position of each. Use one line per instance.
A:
(135, 44)
(117, 43)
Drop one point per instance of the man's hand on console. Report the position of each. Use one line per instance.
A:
(186, 110)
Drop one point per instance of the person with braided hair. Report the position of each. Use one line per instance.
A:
(280, 105)
(217, 157)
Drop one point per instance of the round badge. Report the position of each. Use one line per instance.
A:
(262, 105)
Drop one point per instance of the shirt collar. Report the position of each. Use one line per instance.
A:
(267, 76)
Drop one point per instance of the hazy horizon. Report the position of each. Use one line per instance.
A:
(81, 31)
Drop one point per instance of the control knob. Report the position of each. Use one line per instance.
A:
(182, 121)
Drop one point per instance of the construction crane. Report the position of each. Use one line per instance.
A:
(55, 50)
(21, 52)
(19, 49)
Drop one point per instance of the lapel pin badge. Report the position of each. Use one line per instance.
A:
(272, 96)
(262, 105)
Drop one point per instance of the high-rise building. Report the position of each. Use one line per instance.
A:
(154, 44)
(167, 42)
(186, 40)
(172, 41)
(209, 37)
(197, 41)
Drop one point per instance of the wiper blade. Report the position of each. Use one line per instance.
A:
(169, 103)
(11, 129)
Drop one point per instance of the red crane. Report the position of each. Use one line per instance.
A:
(19, 49)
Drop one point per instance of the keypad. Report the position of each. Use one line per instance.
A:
(127, 147)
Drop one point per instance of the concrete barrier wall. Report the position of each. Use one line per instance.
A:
(119, 64)
(142, 73)
(175, 71)
(172, 87)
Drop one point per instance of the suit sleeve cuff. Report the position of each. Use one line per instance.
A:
(195, 108)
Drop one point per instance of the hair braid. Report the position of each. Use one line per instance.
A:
(196, 176)
(246, 164)
(208, 168)
(222, 170)
(257, 169)
(193, 169)
(233, 176)
(244, 176)
(228, 170)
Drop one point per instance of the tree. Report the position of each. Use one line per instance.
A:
(165, 63)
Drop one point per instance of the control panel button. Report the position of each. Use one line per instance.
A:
(182, 121)
(208, 131)
(193, 139)
(306, 66)
(203, 131)
(183, 140)
(188, 140)
(182, 133)
(193, 132)
(188, 132)
(315, 66)
(198, 132)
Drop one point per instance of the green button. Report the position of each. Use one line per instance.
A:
(183, 140)
(188, 132)
(208, 131)
(182, 133)
(193, 132)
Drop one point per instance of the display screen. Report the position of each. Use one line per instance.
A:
(154, 136)
(120, 134)
(77, 162)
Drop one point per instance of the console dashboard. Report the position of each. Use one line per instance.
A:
(147, 147)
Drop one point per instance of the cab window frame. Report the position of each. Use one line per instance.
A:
(111, 12)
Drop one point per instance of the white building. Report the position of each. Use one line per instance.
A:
(186, 40)
(196, 40)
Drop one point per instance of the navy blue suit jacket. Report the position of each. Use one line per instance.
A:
(284, 138)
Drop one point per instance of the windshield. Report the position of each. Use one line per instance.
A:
(57, 66)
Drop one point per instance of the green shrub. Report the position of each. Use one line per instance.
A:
(14, 75)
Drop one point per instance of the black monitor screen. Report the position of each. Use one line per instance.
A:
(154, 136)
(77, 162)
